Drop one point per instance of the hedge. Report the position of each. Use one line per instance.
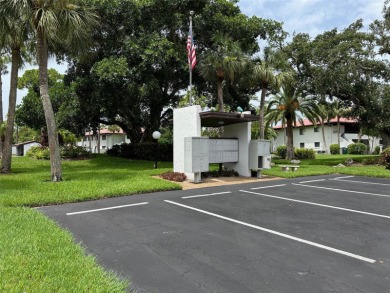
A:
(281, 151)
(142, 151)
(304, 154)
(357, 149)
(335, 149)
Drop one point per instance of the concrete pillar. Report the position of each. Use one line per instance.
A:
(242, 131)
(186, 123)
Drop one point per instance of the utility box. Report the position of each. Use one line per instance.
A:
(259, 154)
(196, 154)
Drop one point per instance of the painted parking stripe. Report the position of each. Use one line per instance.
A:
(318, 204)
(109, 208)
(364, 182)
(344, 190)
(318, 180)
(269, 186)
(342, 177)
(359, 257)
(208, 194)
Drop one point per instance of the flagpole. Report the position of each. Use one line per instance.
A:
(189, 63)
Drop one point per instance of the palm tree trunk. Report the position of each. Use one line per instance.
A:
(1, 111)
(261, 112)
(220, 96)
(1, 98)
(338, 130)
(55, 156)
(323, 137)
(7, 150)
(290, 142)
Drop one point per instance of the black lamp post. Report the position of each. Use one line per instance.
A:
(156, 135)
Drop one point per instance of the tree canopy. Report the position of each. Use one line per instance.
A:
(137, 70)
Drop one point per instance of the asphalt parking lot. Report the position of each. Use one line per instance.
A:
(314, 234)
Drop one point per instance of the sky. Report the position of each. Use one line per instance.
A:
(299, 16)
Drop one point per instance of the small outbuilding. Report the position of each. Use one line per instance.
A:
(20, 149)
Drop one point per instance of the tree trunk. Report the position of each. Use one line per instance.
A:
(1, 111)
(323, 137)
(220, 95)
(7, 148)
(385, 140)
(55, 156)
(338, 130)
(1, 97)
(98, 139)
(290, 141)
(261, 112)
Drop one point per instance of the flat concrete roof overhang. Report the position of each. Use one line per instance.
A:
(218, 119)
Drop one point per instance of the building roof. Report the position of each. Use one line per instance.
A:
(105, 131)
(217, 119)
(26, 142)
(307, 122)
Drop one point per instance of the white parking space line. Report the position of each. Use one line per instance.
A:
(342, 177)
(355, 181)
(109, 208)
(318, 204)
(344, 190)
(208, 194)
(318, 180)
(362, 258)
(269, 186)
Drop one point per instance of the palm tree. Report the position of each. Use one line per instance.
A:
(3, 70)
(324, 114)
(288, 103)
(265, 74)
(53, 24)
(12, 38)
(223, 62)
(338, 110)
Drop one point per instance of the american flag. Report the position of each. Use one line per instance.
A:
(191, 51)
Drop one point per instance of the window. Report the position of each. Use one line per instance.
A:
(301, 131)
(302, 145)
(316, 129)
(316, 144)
(104, 137)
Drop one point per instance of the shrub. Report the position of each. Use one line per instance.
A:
(216, 173)
(304, 154)
(357, 149)
(73, 152)
(281, 151)
(334, 149)
(377, 150)
(142, 151)
(372, 161)
(386, 157)
(174, 176)
(40, 153)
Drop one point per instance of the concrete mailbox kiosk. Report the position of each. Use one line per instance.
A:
(234, 149)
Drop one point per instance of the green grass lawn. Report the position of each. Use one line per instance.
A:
(99, 177)
(324, 164)
(35, 254)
